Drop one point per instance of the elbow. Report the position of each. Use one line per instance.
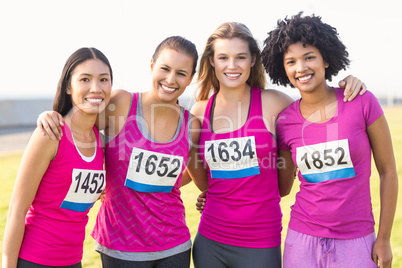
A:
(284, 192)
(16, 213)
(285, 185)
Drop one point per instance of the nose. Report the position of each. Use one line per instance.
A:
(232, 64)
(96, 87)
(301, 66)
(170, 77)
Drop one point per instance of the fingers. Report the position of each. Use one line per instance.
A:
(375, 259)
(384, 264)
(201, 199)
(200, 206)
(363, 89)
(102, 196)
(349, 83)
(352, 86)
(50, 124)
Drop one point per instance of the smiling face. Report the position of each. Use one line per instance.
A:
(232, 61)
(171, 74)
(305, 67)
(90, 86)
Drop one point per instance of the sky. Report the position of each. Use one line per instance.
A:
(38, 36)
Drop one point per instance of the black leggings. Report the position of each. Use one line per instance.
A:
(181, 260)
(27, 264)
(208, 253)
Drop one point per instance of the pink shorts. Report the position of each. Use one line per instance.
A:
(302, 250)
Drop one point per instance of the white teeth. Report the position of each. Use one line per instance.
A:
(94, 100)
(233, 75)
(169, 89)
(305, 78)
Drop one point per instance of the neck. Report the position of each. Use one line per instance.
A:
(151, 105)
(317, 97)
(233, 95)
(318, 106)
(80, 122)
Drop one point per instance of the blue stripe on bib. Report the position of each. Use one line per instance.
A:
(80, 207)
(235, 174)
(147, 188)
(330, 175)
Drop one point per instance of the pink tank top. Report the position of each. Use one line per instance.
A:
(55, 223)
(142, 210)
(242, 207)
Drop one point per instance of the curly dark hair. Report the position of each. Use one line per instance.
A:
(309, 30)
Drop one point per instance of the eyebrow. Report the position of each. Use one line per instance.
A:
(305, 54)
(92, 74)
(238, 54)
(167, 66)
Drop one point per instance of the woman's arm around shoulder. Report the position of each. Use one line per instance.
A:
(115, 114)
(381, 145)
(111, 118)
(34, 163)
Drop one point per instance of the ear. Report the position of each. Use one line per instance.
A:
(211, 61)
(68, 90)
(253, 60)
(326, 65)
(152, 64)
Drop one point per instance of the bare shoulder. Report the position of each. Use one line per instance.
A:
(198, 109)
(119, 104)
(277, 100)
(273, 102)
(41, 146)
(120, 97)
(195, 123)
(118, 107)
(195, 128)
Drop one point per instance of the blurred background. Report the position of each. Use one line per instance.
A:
(38, 36)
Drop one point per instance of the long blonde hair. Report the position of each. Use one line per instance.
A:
(207, 79)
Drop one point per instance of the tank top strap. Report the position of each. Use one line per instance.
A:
(186, 119)
(184, 124)
(99, 142)
(207, 115)
(134, 103)
(256, 103)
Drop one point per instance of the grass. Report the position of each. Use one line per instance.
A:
(9, 165)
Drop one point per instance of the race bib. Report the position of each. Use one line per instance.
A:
(85, 189)
(232, 158)
(325, 161)
(153, 172)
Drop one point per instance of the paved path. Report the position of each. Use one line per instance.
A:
(14, 142)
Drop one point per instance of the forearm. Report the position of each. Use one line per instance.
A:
(199, 176)
(286, 172)
(198, 173)
(185, 178)
(13, 236)
(388, 198)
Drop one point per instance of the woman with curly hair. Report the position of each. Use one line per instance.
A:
(332, 222)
